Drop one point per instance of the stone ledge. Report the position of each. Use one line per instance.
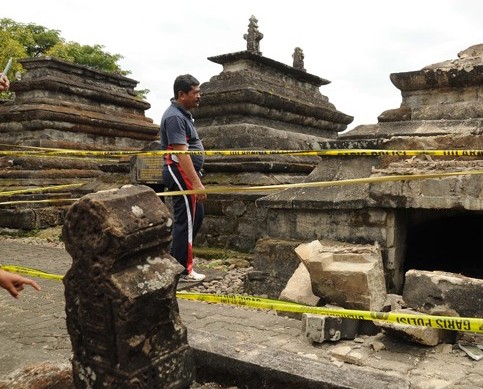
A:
(252, 366)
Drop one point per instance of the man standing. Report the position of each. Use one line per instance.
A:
(182, 171)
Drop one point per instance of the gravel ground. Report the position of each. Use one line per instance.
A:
(230, 281)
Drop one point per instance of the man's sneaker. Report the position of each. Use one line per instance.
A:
(193, 277)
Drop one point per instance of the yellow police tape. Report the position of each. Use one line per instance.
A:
(324, 152)
(317, 184)
(464, 324)
(441, 322)
(35, 190)
(320, 184)
(31, 272)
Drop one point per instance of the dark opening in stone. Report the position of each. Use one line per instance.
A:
(446, 241)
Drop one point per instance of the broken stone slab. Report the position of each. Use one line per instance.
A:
(320, 328)
(347, 275)
(427, 336)
(350, 355)
(473, 351)
(299, 288)
(443, 293)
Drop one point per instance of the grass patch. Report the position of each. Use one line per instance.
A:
(220, 253)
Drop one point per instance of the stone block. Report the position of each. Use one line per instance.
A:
(274, 263)
(349, 355)
(118, 240)
(347, 275)
(320, 328)
(443, 293)
(234, 209)
(280, 223)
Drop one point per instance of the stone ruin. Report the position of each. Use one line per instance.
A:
(343, 275)
(257, 102)
(432, 224)
(122, 312)
(420, 226)
(63, 105)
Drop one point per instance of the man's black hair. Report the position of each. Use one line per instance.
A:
(184, 83)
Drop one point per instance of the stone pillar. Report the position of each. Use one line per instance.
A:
(122, 313)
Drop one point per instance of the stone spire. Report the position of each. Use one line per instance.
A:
(253, 37)
(298, 59)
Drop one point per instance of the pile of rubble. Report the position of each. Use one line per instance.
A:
(351, 276)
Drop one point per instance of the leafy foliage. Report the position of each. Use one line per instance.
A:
(20, 40)
(92, 56)
(35, 39)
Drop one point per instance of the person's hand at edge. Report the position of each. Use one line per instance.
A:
(14, 283)
(4, 83)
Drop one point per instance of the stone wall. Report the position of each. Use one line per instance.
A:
(363, 226)
(233, 221)
(63, 105)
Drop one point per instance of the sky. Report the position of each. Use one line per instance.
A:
(356, 44)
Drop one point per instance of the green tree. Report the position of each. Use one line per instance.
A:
(93, 56)
(35, 39)
(20, 40)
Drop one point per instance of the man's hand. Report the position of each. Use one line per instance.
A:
(14, 283)
(187, 166)
(200, 197)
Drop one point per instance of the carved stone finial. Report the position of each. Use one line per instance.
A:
(298, 59)
(253, 37)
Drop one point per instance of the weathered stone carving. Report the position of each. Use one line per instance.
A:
(253, 37)
(122, 313)
(298, 59)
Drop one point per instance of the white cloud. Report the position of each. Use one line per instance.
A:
(355, 44)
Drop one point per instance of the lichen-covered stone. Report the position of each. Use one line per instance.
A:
(122, 313)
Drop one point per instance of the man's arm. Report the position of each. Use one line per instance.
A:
(187, 166)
